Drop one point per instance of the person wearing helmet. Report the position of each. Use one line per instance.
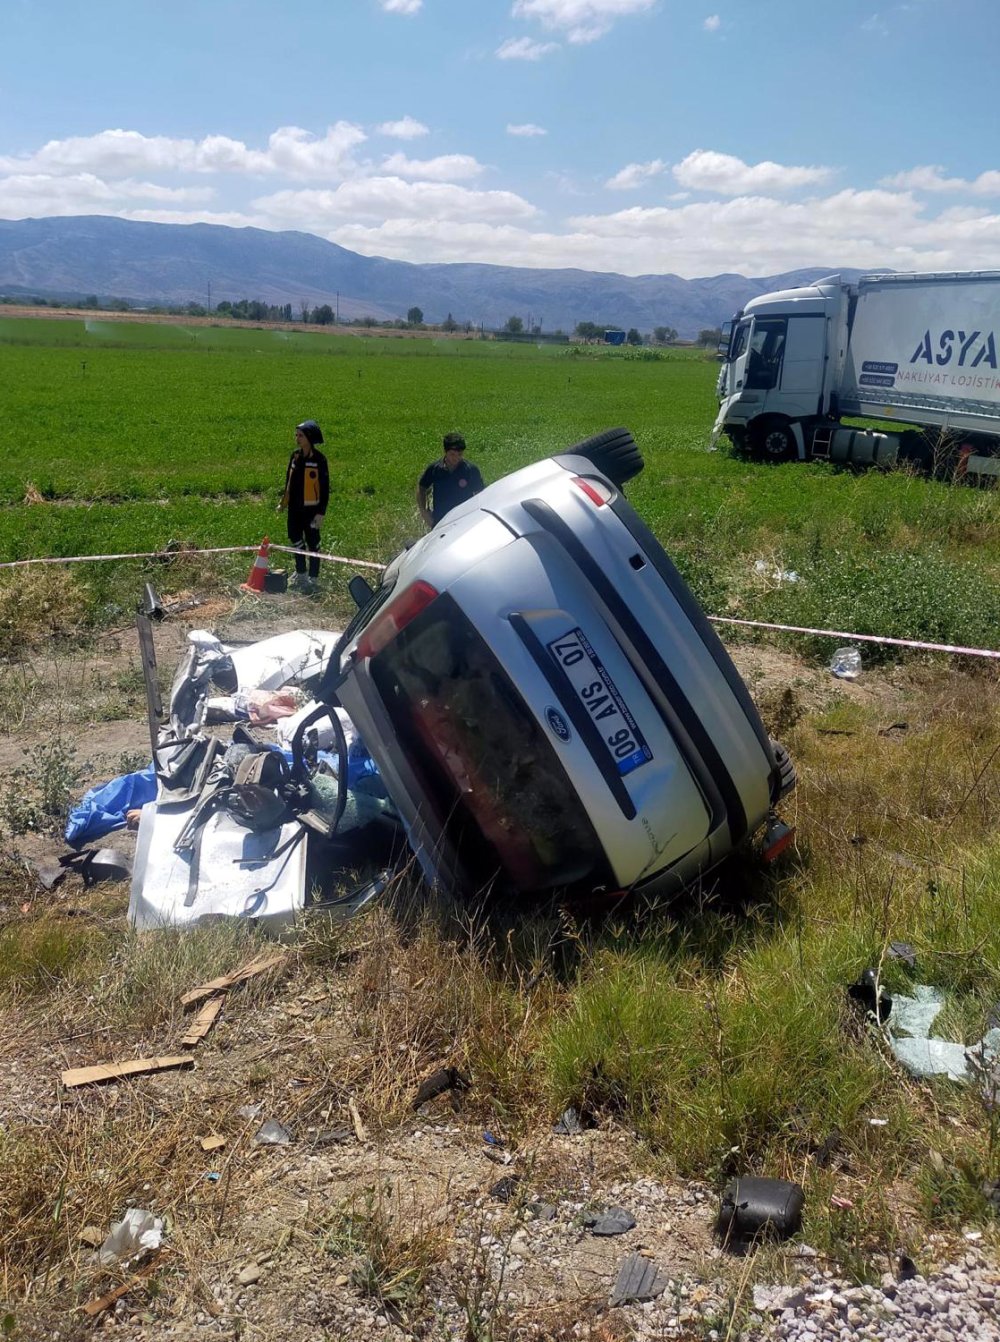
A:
(307, 492)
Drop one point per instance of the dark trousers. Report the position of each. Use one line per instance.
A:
(304, 537)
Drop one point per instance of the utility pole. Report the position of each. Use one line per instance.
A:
(338, 307)
(210, 295)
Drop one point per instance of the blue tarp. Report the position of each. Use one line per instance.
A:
(102, 809)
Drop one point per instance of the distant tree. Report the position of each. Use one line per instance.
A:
(323, 315)
(368, 321)
(305, 313)
(286, 312)
(664, 335)
(415, 316)
(633, 337)
(589, 330)
(119, 305)
(710, 336)
(90, 301)
(194, 310)
(449, 323)
(514, 326)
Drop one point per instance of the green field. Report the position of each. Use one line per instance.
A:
(137, 434)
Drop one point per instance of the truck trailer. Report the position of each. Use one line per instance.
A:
(919, 350)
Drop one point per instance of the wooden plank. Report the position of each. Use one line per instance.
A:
(212, 1143)
(202, 1023)
(116, 1071)
(259, 965)
(104, 1302)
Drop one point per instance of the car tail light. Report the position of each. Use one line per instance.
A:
(394, 618)
(595, 490)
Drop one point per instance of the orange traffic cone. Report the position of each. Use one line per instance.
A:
(259, 569)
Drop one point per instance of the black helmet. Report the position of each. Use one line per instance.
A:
(311, 430)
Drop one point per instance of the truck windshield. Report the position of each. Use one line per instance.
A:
(488, 772)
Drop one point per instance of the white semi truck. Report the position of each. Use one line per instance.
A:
(921, 350)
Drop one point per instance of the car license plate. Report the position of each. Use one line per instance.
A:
(600, 697)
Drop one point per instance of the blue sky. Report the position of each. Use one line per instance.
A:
(642, 136)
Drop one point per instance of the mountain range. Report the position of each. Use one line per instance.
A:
(65, 258)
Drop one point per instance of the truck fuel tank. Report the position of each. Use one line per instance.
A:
(863, 447)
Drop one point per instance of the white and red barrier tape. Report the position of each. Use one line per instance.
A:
(953, 648)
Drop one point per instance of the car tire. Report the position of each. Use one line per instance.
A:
(784, 778)
(773, 440)
(613, 452)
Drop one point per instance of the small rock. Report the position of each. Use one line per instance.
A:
(250, 1274)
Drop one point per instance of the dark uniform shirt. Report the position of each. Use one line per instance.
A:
(307, 482)
(450, 488)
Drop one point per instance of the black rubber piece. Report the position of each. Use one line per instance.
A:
(784, 777)
(613, 452)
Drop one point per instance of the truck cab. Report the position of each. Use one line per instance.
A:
(784, 354)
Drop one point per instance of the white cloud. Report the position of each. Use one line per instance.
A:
(931, 178)
(445, 168)
(527, 130)
(524, 49)
(39, 194)
(406, 129)
(875, 24)
(706, 170)
(402, 6)
(634, 174)
(387, 198)
(290, 151)
(712, 24)
(581, 20)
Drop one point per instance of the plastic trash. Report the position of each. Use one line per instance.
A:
(615, 1221)
(273, 1133)
(845, 663)
(639, 1279)
(137, 1232)
(505, 1189)
(103, 809)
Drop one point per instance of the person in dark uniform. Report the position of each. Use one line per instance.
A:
(307, 492)
(449, 481)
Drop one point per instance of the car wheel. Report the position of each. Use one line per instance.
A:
(613, 452)
(773, 441)
(784, 778)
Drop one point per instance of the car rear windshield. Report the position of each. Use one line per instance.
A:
(489, 772)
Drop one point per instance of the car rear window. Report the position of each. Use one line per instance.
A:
(489, 772)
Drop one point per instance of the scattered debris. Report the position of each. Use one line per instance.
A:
(249, 1111)
(639, 1279)
(759, 1208)
(845, 663)
(907, 1268)
(93, 865)
(925, 1055)
(202, 1023)
(506, 1188)
(841, 1204)
(570, 1124)
(103, 1302)
(359, 1127)
(333, 1136)
(870, 994)
(444, 1079)
(92, 1236)
(117, 1071)
(260, 964)
(273, 1133)
(614, 1221)
(136, 1233)
(212, 1143)
(541, 1211)
(490, 1140)
(904, 952)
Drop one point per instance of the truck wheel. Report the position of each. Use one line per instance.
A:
(773, 441)
(613, 452)
(784, 778)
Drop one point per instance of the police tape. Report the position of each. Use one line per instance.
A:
(859, 638)
(165, 555)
